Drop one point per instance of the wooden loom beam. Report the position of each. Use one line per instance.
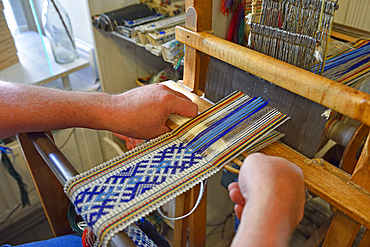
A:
(336, 190)
(343, 229)
(355, 104)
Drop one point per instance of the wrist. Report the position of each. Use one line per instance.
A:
(103, 110)
(262, 224)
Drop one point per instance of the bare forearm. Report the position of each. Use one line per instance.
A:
(27, 108)
(139, 113)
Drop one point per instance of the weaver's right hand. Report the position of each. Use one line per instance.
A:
(142, 112)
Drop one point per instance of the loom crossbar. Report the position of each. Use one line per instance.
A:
(304, 83)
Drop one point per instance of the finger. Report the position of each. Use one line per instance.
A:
(181, 95)
(184, 108)
(177, 93)
(237, 196)
(161, 130)
(238, 211)
(233, 185)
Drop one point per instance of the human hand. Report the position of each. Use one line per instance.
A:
(271, 185)
(142, 112)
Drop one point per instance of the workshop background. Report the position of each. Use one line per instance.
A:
(111, 62)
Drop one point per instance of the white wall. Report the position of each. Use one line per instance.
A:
(220, 22)
(79, 14)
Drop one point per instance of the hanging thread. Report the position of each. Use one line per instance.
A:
(8, 166)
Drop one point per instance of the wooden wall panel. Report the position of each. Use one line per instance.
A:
(121, 62)
(97, 7)
(354, 13)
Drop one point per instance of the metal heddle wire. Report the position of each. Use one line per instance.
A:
(296, 32)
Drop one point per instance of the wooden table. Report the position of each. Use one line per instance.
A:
(33, 66)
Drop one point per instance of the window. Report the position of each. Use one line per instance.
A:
(18, 15)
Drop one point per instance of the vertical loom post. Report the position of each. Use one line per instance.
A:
(361, 173)
(181, 226)
(198, 219)
(349, 160)
(365, 241)
(198, 18)
(343, 229)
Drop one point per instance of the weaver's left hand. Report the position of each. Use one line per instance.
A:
(269, 200)
(142, 112)
(275, 179)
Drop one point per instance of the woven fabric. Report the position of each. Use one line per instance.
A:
(113, 195)
(131, 181)
(138, 236)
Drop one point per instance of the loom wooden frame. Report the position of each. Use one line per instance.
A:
(348, 193)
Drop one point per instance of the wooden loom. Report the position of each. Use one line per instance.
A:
(348, 193)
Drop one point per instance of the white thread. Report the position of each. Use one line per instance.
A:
(200, 196)
(326, 114)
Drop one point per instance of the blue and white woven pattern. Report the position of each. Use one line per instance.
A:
(130, 181)
(113, 195)
(139, 237)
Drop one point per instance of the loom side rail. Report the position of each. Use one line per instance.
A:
(63, 171)
(53, 157)
(309, 85)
